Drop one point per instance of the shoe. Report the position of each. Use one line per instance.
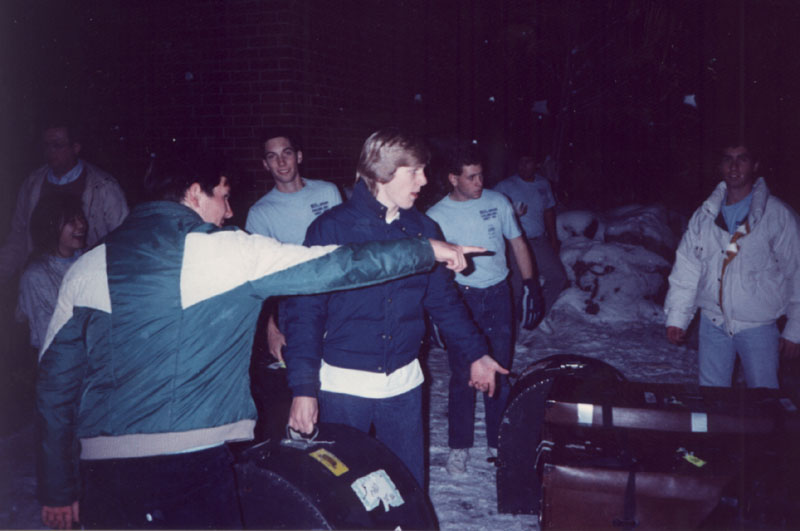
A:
(457, 461)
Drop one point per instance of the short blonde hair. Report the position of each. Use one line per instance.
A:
(384, 151)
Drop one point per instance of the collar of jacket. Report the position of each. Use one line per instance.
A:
(713, 204)
(364, 199)
(181, 217)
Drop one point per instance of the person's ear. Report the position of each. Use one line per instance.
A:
(76, 148)
(453, 179)
(299, 157)
(192, 197)
(755, 168)
(264, 162)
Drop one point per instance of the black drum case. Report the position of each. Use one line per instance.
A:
(343, 479)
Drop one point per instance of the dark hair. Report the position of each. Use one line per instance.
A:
(460, 155)
(51, 213)
(277, 132)
(168, 178)
(53, 116)
(731, 138)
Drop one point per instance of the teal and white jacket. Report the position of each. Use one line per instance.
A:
(149, 347)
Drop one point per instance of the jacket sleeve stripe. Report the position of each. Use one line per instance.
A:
(351, 266)
(221, 261)
(84, 285)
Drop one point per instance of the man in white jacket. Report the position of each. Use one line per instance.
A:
(739, 262)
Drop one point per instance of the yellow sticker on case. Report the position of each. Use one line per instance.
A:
(329, 461)
(696, 461)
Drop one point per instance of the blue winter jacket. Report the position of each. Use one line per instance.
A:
(378, 328)
(148, 350)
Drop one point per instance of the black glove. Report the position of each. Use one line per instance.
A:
(531, 305)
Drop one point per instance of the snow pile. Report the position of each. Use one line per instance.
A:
(617, 264)
(579, 223)
(648, 227)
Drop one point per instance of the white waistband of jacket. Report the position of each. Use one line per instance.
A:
(151, 444)
(368, 384)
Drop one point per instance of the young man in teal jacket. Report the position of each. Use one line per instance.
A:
(145, 362)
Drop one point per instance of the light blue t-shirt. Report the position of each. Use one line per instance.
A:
(538, 197)
(286, 217)
(487, 222)
(736, 213)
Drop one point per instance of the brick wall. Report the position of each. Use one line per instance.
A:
(211, 73)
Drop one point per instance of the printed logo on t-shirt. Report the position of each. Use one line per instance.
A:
(319, 208)
(490, 213)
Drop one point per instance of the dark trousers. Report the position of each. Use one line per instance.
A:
(397, 421)
(194, 490)
(491, 311)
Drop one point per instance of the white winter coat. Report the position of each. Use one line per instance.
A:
(760, 284)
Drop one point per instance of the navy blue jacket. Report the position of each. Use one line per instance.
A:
(378, 328)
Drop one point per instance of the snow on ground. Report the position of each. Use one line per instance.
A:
(640, 351)
(467, 503)
(609, 313)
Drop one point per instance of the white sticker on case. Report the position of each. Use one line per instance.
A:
(377, 487)
(585, 413)
(699, 422)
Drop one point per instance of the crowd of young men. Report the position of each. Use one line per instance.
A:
(144, 367)
(146, 358)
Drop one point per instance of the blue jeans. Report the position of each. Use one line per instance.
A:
(757, 348)
(491, 310)
(194, 490)
(397, 421)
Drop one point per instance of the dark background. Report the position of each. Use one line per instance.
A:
(207, 74)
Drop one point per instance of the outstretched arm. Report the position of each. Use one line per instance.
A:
(453, 256)
(272, 268)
